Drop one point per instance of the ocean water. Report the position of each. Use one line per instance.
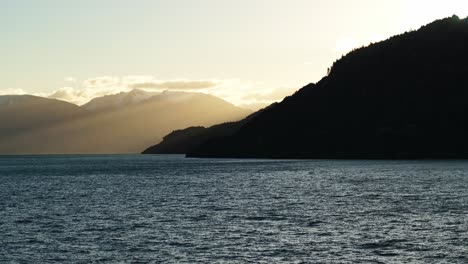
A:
(167, 209)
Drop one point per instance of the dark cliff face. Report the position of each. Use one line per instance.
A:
(405, 97)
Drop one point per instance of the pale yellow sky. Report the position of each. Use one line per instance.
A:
(246, 51)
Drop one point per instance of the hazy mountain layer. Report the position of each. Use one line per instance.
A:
(23, 113)
(32, 125)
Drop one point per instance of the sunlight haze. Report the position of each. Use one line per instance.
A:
(245, 51)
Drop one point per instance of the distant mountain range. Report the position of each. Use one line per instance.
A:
(120, 123)
(23, 113)
(405, 97)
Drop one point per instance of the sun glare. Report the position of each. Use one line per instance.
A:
(345, 45)
(424, 11)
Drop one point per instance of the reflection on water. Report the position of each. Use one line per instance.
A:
(169, 209)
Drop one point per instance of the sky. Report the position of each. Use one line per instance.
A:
(245, 51)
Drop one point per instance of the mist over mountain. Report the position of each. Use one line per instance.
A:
(22, 113)
(400, 98)
(121, 123)
(120, 100)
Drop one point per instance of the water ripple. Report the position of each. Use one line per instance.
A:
(166, 209)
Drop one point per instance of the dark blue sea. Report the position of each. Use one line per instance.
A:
(167, 209)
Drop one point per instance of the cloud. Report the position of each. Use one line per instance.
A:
(101, 81)
(83, 95)
(176, 85)
(90, 88)
(12, 91)
(272, 95)
(69, 94)
(255, 106)
(242, 93)
(130, 80)
(345, 45)
(106, 85)
(256, 99)
(69, 79)
(280, 93)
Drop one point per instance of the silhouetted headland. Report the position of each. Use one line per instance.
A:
(187, 140)
(405, 97)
